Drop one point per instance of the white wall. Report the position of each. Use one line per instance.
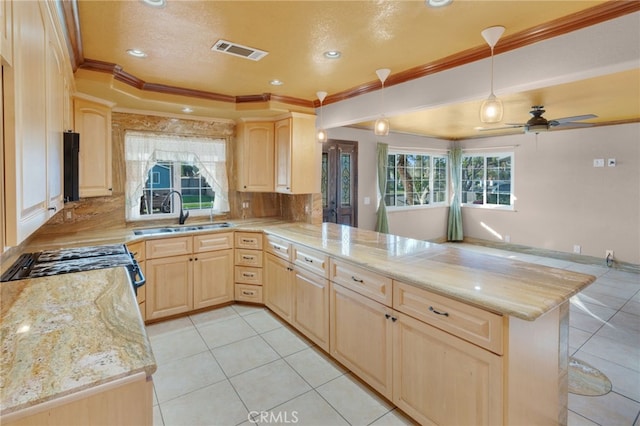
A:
(562, 200)
(429, 223)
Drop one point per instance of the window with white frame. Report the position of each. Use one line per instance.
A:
(164, 170)
(487, 180)
(416, 179)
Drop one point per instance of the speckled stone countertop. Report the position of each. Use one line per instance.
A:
(67, 333)
(509, 287)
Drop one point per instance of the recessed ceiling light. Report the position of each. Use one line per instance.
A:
(155, 3)
(137, 53)
(438, 3)
(187, 109)
(276, 82)
(332, 54)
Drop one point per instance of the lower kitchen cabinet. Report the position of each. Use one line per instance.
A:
(361, 337)
(311, 306)
(278, 286)
(188, 273)
(169, 286)
(439, 379)
(212, 278)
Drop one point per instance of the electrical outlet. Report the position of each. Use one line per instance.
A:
(577, 248)
(608, 254)
(68, 214)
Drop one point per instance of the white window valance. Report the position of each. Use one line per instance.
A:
(143, 150)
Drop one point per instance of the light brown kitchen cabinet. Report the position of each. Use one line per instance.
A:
(311, 306)
(278, 286)
(311, 294)
(34, 114)
(93, 123)
(248, 267)
(440, 379)
(297, 155)
(6, 31)
(255, 156)
(361, 337)
(188, 273)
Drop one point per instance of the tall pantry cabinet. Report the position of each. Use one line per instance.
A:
(37, 86)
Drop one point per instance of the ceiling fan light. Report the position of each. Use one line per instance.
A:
(381, 127)
(491, 110)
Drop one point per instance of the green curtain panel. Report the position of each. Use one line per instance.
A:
(382, 225)
(454, 229)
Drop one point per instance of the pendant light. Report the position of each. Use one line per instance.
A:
(381, 127)
(491, 109)
(322, 133)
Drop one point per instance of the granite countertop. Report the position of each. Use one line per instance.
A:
(67, 333)
(508, 287)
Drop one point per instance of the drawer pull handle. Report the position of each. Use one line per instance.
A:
(306, 259)
(248, 293)
(248, 274)
(276, 247)
(245, 257)
(356, 280)
(446, 314)
(248, 241)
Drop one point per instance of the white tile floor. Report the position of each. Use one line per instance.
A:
(227, 366)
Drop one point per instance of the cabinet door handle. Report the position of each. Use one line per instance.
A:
(289, 269)
(387, 316)
(356, 280)
(446, 314)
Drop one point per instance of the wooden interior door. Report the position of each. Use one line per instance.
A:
(339, 184)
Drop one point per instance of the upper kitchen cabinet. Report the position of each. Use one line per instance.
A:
(93, 123)
(6, 32)
(297, 155)
(34, 91)
(255, 156)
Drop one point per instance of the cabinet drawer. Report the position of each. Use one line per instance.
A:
(138, 250)
(249, 240)
(475, 325)
(168, 247)
(367, 283)
(246, 257)
(211, 242)
(310, 259)
(277, 246)
(248, 275)
(248, 293)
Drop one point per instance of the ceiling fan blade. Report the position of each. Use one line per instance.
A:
(571, 124)
(514, 126)
(574, 118)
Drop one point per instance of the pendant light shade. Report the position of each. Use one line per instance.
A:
(381, 127)
(321, 134)
(491, 108)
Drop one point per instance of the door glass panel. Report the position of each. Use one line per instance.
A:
(345, 175)
(324, 182)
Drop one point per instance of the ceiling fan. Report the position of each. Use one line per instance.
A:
(538, 123)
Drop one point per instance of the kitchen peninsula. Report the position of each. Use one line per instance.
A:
(426, 325)
(74, 351)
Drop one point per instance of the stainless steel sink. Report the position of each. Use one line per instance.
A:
(181, 229)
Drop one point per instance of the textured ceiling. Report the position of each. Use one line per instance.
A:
(400, 35)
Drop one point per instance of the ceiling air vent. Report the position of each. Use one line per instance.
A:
(239, 50)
